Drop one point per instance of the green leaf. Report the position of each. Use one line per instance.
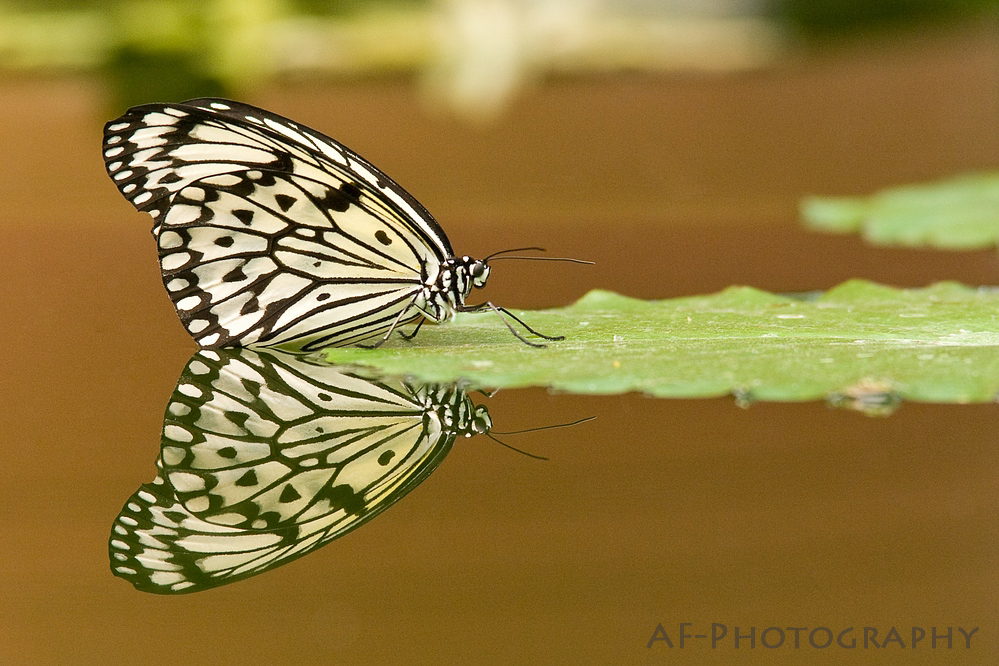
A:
(957, 214)
(861, 344)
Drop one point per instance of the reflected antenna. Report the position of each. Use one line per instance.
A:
(519, 432)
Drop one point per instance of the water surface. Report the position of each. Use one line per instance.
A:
(656, 512)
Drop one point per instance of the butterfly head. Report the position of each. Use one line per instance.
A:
(468, 273)
(452, 285)
(472, 420)
(456, 411)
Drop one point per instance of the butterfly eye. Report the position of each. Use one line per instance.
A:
(479, 272)
(481, 421)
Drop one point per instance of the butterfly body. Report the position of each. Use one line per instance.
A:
(272, 234)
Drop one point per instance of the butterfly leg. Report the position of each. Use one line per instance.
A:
(410, 336)
(501, 311)
(395, 325)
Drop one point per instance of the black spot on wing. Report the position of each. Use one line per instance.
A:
(252, 387)
(383, 237)
(344, 497)
(248, 479)
(285, 202)
(235, 275)
(289, 494)
(342, 198)
(244, 216)
(238, 418)
(251, 305)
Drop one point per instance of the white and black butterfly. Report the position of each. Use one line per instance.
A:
(272, 234)
(266, 458)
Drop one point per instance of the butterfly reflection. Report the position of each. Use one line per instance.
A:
(265, 458)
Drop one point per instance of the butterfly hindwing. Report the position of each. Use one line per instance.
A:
(269, 232)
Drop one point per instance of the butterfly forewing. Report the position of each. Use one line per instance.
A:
(265, 459)
(270, 233)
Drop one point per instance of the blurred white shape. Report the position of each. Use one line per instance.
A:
(490, 49)
(378, 39)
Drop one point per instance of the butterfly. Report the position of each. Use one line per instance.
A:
(272, 234)
(266, 457)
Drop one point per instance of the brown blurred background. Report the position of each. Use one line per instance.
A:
(668, 142)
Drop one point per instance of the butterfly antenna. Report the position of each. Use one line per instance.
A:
(514, 448)
(516, 249)
(496, 255)
(547, 427)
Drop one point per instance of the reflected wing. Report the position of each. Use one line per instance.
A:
(264, 460)
(270, 233)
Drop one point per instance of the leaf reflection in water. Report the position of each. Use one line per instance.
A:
(266, 457)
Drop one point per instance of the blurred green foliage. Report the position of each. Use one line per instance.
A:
(349, 7)
(139, 77)
(167, 50)
(959, 213)
(835, 17)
